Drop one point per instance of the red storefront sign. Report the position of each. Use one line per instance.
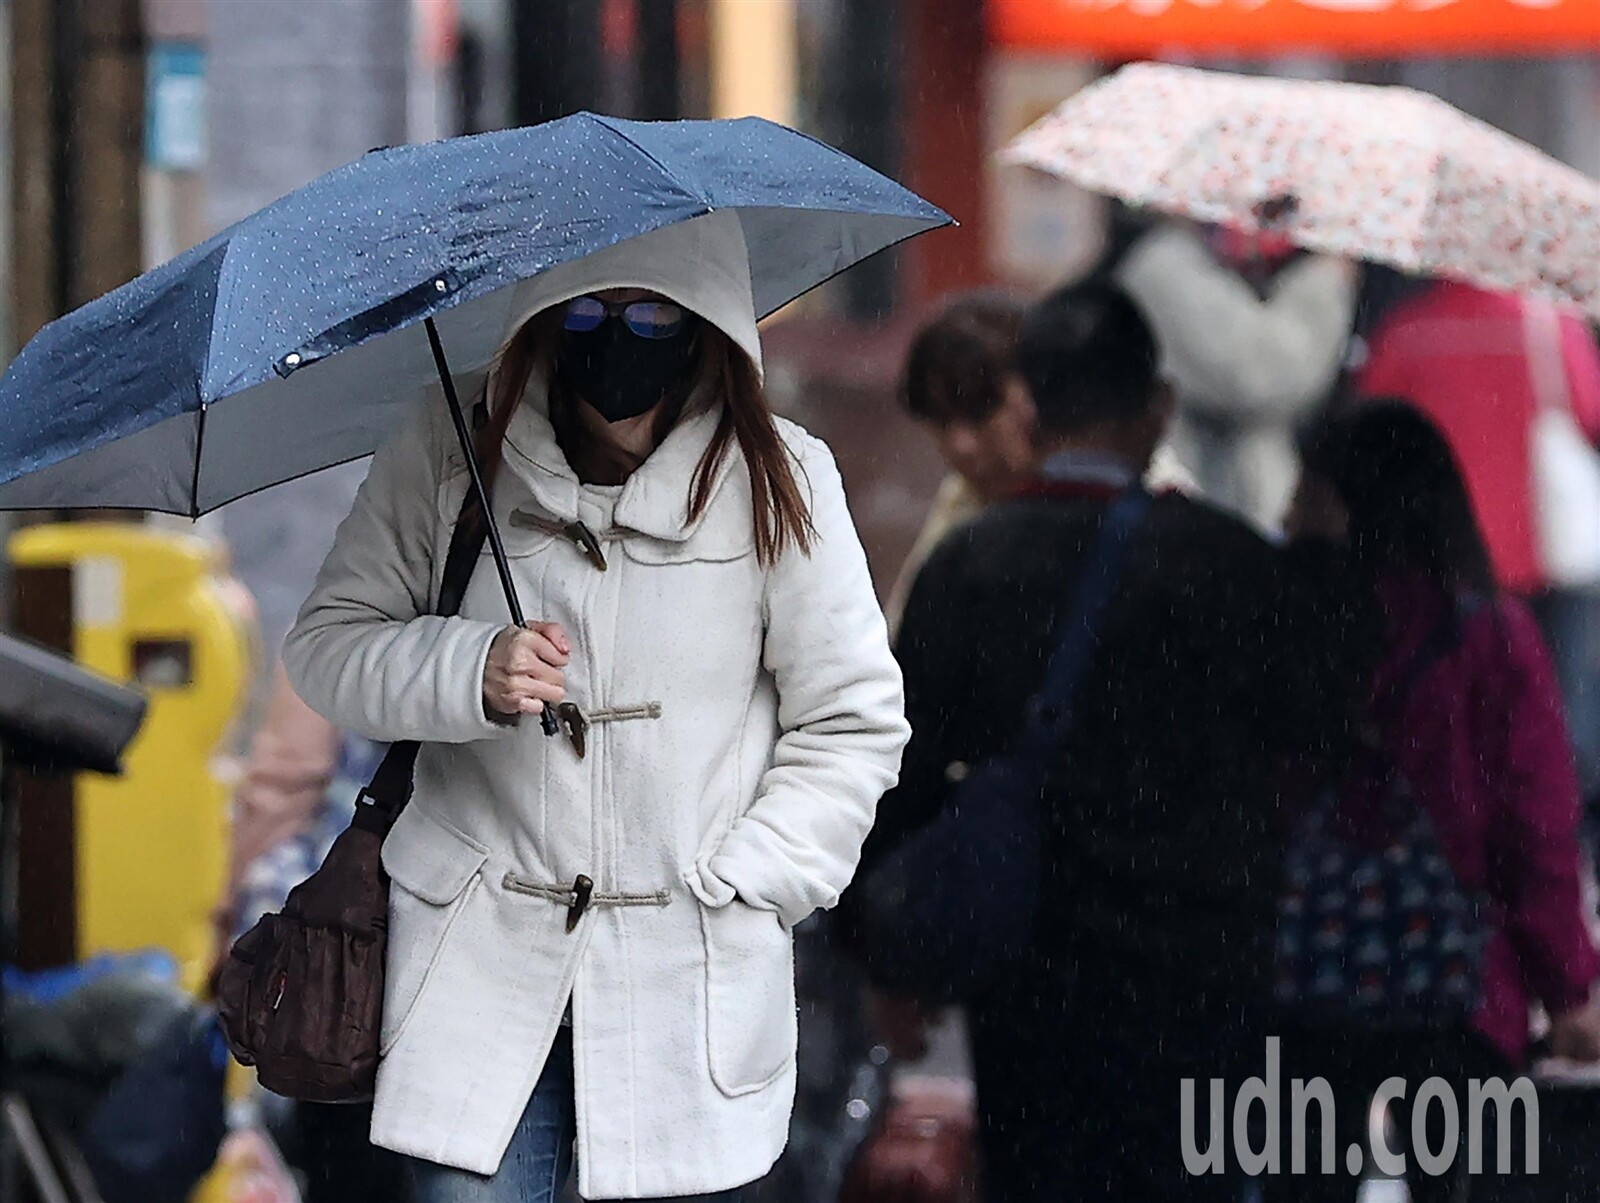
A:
(1381, 28)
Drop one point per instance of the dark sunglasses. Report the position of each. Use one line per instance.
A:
(647, 319)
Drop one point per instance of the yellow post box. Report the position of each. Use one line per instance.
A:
(153, 608)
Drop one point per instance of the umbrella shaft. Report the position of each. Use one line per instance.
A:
(502, 565)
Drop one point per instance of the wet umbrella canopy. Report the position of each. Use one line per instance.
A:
(1378, 173)
(292, 341)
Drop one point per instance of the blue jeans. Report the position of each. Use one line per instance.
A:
(539, 1159)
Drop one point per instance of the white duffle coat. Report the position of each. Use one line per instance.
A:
(743, 722)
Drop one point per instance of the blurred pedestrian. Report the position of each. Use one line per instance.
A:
(589, 938)
(1252, 336)
(1217, 658)
(297, 793)
(959, 383)
(1462, 724)
(954, 383)
(286, 773)
(1514, 385)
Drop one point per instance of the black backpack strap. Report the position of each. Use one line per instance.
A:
(1050, 712)
(1436, 646)
(1373, 754)
(389, 790)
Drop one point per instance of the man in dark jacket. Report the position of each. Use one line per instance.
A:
(1221, 658)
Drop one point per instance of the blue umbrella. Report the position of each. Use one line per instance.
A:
(292, 341)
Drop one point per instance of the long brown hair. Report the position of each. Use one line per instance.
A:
(779, 511)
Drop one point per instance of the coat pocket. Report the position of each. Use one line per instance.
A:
(750, 1001)
(435, 869)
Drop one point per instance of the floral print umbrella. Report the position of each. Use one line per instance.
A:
(1383, 174)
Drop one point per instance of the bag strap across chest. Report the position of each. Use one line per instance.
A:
(1049, 713)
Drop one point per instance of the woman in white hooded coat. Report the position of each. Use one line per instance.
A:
(589, 943)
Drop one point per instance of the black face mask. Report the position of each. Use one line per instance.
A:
(621, 374)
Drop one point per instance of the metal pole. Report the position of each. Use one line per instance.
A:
(657, 60)
(547, 718)
(556, 60)
(864, 93)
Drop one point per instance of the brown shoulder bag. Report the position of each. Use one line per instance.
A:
(301, 993)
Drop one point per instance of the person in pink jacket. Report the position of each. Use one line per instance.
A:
(1464, 357)
(1475, 728)
(1482, 365)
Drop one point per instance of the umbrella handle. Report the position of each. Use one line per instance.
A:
(547, 718)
